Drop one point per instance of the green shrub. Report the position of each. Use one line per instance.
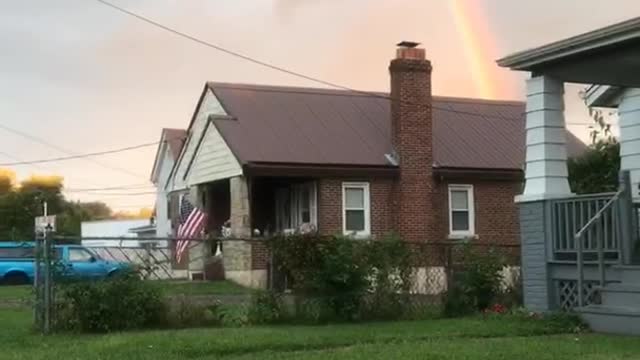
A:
(390, 275)
(183, 312)
(122, 303)
(476, 284)
(512, 296)
(234, 315)
(342, 279)
(266, 307)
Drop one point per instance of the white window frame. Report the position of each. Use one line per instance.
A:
(367, 209)
(458, 234)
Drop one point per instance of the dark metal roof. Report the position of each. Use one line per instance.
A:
(175, 138)
(270, 124)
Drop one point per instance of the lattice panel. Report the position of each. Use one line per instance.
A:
(567, 291)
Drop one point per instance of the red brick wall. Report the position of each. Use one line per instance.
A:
(496, 216)
(330, 205)
(411, 134)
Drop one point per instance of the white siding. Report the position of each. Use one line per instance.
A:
(210, 106)
(213, 161)
(110, 228)
(163, 223)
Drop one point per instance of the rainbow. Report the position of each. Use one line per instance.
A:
(471, 24)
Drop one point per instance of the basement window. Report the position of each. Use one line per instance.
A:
(356, 209)
(461, 211)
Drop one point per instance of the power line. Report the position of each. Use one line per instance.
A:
(119, 194)
(119, 187)
(63, 150)
(282, 69)
(81, 156)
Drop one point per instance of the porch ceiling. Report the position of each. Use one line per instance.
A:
(607, 56)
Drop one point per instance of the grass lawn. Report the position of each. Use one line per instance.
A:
(471, 338)
(14, 293)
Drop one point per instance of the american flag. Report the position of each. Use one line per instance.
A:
(192, 222)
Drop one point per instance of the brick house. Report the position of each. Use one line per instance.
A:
(428, 168)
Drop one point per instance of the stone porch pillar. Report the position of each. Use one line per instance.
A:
(198, 249)
(546, 173)
(240, 211)
(629, 119)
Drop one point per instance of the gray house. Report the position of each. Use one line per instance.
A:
(578, 251)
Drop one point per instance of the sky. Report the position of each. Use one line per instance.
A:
(87, 78)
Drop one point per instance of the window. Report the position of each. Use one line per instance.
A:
(79, 255)
(461, 212)
(296, 205)
(355, 206)
(21, 252)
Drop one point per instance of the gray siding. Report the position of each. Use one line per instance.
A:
(535, 273)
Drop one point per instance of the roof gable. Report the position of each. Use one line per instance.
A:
(171, 141)
(608, 36)
(213, 160)
(208, 105)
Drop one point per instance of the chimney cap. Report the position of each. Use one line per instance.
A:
(408, 44)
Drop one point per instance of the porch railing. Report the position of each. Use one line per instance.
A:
(598, 231)
(581, 214)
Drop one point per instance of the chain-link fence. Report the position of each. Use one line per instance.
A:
(247, 262)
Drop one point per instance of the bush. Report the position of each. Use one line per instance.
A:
(184, 312)
(123, 303)
(338, 278)
(266, 308)
(390, 276)
(476, 285)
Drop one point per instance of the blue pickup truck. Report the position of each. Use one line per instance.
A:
(17, 263)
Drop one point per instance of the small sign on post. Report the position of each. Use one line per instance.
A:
(43, 223)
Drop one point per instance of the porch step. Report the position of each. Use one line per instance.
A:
(612, 319)
(629, 274)
(621, 295)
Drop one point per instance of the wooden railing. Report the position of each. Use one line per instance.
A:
(578, 214)
(596, 231)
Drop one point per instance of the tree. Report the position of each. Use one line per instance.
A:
(74, 213)
(7, 180)
(21, 203)
(596, 170)
(143, 213)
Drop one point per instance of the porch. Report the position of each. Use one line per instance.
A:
(243, 211)
(580, 252)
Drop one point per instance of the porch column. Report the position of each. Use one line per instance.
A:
(629, 114)
(546, 173)
(198, 250)
(240, 220)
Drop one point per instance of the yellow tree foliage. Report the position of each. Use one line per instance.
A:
(7, 180)
(144, 213)
(47, 181)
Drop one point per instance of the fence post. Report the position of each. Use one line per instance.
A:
(38, 286)
(47, 281)
(448, 248)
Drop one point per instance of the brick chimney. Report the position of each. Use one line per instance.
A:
(411, 132)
